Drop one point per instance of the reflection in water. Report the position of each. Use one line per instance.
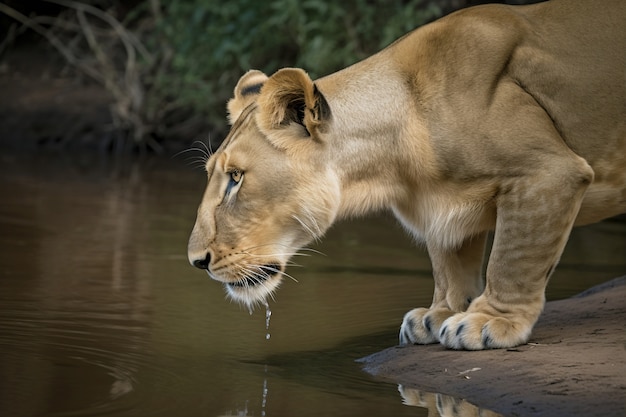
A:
(101, 314)
(440, 405)
(245, 411)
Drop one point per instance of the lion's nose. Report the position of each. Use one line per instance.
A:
(202, 263)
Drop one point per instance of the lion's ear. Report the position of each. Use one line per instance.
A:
(291, 101)
(246, 91)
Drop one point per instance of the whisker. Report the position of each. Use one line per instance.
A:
(177, 154)
(209, 147)
(248, 250)
(305, 227)
(290, 277)
(311, 217)
(275, 254)
(197, 158)
(262, 270)
(311, 250)
(206, 149)
(197, 164)
(200, 159)
(205, 152)
(254, 275)
(283, 273)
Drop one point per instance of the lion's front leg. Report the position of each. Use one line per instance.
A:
(534, 219)
(458, 281)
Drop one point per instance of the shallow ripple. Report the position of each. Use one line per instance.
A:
(101, 359)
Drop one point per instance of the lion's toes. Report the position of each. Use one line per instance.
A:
(413, 329)
(421, 325)
(477, 331)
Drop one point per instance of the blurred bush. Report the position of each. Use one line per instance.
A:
(170, 66)
(215, 42)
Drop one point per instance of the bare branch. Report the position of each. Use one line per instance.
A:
(54, 41)
(111, 54)
(126, 36)
(108, 72)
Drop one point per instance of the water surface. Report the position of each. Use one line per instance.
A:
(101, 314)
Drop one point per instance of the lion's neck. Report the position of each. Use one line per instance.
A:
(374, 134)
(366, 99)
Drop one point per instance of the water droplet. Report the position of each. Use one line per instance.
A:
(268, 316)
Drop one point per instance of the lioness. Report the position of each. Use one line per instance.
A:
(505, 118)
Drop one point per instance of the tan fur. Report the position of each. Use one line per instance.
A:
(240, 99)
(505, 118)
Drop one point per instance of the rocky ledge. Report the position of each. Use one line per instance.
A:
(574, 364)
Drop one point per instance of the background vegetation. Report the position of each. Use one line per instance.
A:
(170, 66)
(214, 44)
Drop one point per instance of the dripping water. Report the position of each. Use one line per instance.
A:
(268, 316)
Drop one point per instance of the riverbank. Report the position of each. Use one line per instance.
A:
(573, 365)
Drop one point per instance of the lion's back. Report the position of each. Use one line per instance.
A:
(573, 63)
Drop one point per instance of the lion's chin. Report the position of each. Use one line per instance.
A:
(251, 294)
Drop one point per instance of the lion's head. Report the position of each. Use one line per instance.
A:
(270, 190)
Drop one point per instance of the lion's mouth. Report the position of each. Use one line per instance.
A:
(257, 277)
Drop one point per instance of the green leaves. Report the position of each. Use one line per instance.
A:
(214, 42)
(171, 66)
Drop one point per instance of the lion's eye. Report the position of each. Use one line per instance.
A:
(234, 181)
(236, 176)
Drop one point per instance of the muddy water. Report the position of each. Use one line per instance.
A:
(100, 313)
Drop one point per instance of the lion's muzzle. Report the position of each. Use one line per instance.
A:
(246, 283)
(257, 277)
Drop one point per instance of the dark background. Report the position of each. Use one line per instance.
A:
(147, 76)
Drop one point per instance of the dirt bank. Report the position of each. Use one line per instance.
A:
(574, 364)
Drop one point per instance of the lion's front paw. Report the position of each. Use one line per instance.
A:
(476, 331)
(421, 325)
